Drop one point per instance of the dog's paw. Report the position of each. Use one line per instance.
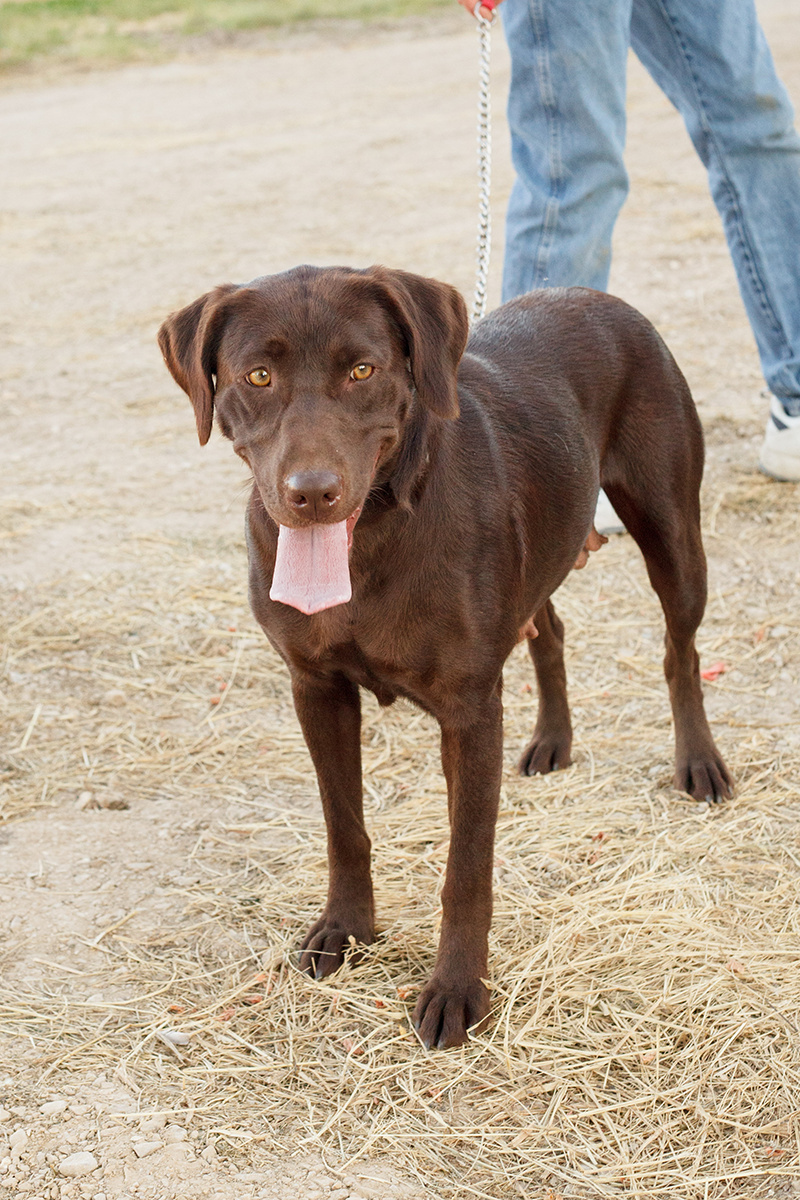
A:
(327, 942)
(704, 777)
(547, 752)
(446, 1011)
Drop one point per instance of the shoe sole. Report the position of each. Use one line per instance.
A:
(785, 468)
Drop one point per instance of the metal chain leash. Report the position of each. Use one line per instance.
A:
(484, 247)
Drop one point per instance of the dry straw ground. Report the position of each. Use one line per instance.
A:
(644, 956)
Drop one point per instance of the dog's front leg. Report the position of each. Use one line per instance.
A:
(329, 711)
(455, 997)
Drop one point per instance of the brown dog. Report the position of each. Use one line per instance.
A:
(473, 477)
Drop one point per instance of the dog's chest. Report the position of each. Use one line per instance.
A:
(378, 655)
(385, 680)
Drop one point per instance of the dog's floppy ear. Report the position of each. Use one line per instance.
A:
(188, 341)
(433, 319)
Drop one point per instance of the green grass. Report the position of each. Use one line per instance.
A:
(101, 31)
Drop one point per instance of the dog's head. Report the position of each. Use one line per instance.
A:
(320, 378)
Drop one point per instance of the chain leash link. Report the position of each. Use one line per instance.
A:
(484, 247)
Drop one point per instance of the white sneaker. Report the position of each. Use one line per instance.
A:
(605, 518)
(780, 450)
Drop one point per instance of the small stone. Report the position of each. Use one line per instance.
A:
(52, 1107)
(99, 1196)
(80, 1110)
(143, 1149)
(18, 1141)
(178, 1153)
(153, 1124)
(176, 1036)
(5, 1115)
(209, 1154)
(86, 801)
(80, 1163)
(174, 1133)
(115, 698)
(113, 801)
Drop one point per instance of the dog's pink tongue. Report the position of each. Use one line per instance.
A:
(311, 567)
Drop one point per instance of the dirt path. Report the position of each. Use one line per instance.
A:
(143, 807)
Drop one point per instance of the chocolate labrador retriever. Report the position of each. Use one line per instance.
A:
(417, 500)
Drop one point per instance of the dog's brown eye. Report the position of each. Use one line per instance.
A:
(259, 378)
(362, 371)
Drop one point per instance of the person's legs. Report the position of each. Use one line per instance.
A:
(566, 113)
(713, 62)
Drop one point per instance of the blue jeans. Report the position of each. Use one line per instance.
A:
(566, 111)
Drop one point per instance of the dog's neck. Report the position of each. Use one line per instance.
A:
(406, 473)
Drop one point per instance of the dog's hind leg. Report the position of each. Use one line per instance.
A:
(660, 505)
(552, 738)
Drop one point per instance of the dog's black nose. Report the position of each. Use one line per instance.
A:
(313, 493)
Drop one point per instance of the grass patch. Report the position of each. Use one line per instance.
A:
(87, 32)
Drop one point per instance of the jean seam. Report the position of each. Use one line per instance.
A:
(552, 207)
(748, 252)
